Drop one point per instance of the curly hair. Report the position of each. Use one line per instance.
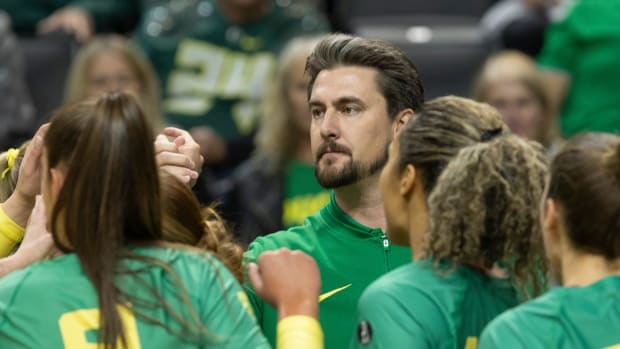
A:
(483, 210)
(186, 223)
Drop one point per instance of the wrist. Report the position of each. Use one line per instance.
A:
(18, 207)
(307, 307)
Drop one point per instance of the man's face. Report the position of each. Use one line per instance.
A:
(350, 130)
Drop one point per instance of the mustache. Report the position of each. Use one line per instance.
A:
(331, 146)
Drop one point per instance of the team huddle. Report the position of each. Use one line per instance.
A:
(443, 229)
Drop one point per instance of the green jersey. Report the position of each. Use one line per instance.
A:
(53, 304)
(213, 71)
(565, 317)
(586, 46)
(303, 195)
(416, 306)
(350, 256)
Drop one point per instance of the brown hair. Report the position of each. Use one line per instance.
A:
(483, 210)
(77, 80)
(585, 182)
(186, 223)
(439, 130)
(397, 76)
(514, 66)
(9, 182)
(111, 202)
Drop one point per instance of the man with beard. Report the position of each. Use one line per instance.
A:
(360, 93)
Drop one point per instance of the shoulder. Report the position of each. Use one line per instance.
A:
(409, 286)
(524, 325)
(303, 237)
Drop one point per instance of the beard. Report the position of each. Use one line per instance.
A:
(351, 172)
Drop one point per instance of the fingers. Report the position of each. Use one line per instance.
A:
(177, 132)
(31, 161)
(255, 278)
(186, 176)
(167, 158)
(162, 144)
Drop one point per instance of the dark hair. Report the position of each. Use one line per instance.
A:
(186, 223)
(397, 76)
(585, 182)
(112, 194)
(439, 130)
(483, 210)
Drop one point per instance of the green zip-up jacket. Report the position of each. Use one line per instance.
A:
(350, 256)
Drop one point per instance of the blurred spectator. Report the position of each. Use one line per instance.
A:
(17, 115)
(78, 17)
(516, 24)
(581, 71)
(276, 188)
(112, 63)
(511, 82)
(214, 57)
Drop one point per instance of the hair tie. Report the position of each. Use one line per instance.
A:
(11, 156)
(488, 135)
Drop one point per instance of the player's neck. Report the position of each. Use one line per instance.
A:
(583, 269)
(362, 202)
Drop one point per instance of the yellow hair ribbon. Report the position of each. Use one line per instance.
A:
(11, 156)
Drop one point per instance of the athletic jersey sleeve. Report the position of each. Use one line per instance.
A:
(381, 323)
(254, 250)
(226, 312)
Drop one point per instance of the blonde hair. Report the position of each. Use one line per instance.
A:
(9, 182)
(77, 80)
(514, 66)
(483, 210)
(275, 139)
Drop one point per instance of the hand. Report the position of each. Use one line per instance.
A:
(73, 20)
(212, 145)
(20, 203)
(288, 280)
(181, 156)
(37, 244)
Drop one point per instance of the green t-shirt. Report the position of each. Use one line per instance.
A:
(53, 304)
(303, 195)
(213, 72)
(415, 307)
(586, 46)
(350, 256)
(565, 317)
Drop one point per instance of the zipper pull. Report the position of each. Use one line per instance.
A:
(386, 242)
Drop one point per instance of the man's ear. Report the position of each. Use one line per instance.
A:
(407, 180)
(401, 119)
